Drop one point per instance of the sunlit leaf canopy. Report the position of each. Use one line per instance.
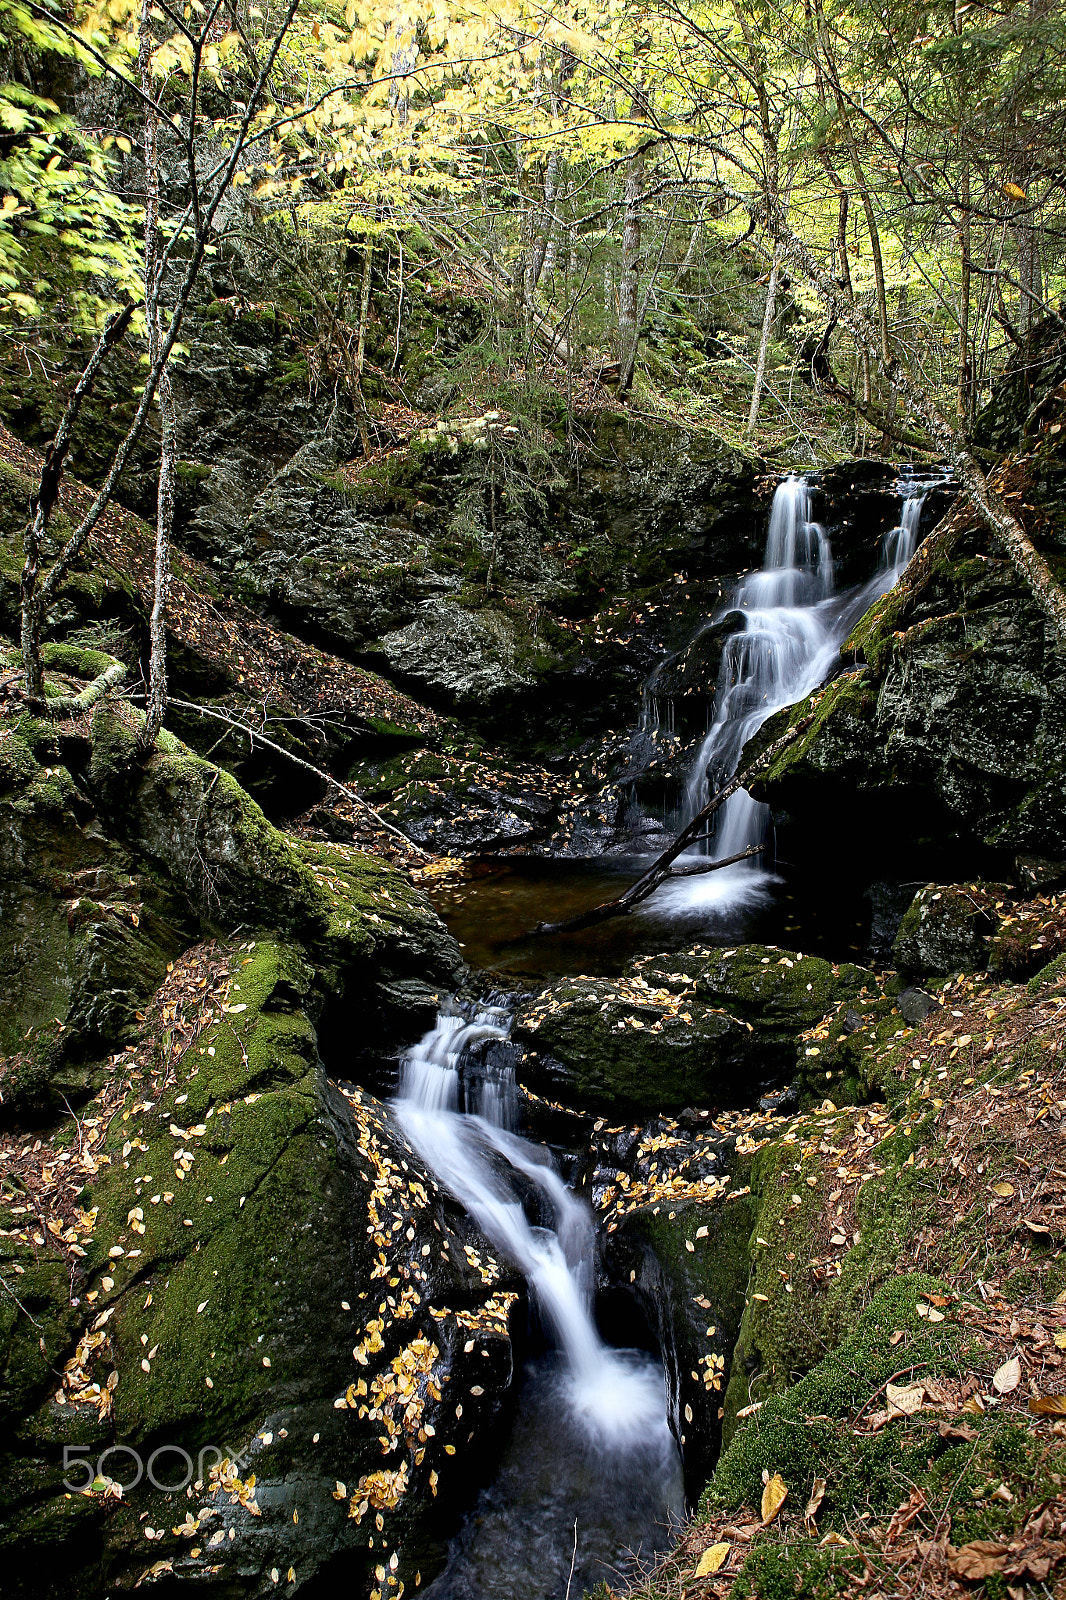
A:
(914, 151)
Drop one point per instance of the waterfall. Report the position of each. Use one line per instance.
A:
(618, 1398)
(794, 625)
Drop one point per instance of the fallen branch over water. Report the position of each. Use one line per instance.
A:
(662, 868)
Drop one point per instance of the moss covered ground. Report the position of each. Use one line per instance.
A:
(903, 1327)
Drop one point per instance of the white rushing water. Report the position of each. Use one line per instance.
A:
(618, 1397)
(793, 624)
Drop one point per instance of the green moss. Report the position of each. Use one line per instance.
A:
(18, 765)
(842, 716)
(244, 1106)
(805, 1433)
(76, 661)
(1054, 972)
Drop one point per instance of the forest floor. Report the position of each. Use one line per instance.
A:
(925, 1453)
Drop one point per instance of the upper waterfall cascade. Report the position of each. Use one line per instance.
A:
(792, 622)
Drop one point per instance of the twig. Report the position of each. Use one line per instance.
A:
(319, 772)
(573, 1562)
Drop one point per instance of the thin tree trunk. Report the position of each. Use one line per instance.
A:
(767, 325)
(632, 221)
(45, 500)
(399, 310)
(965, 395)
(543, 243)
(364, 308)
(156, 704)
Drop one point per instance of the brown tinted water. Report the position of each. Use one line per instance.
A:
(493, 910)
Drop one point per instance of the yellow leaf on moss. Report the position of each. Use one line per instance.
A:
(773, 1498)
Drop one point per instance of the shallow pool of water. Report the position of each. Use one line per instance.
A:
(518, 1539)
(493, 909)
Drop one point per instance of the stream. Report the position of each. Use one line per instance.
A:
(592, 1473)
(590, 1478)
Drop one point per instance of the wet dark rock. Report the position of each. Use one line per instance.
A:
(693, 1300)
(1020, 401)
(948, 929)
(852, 1020)
(1037, 873)
(915, 1005)
(888, 903)
(783, 1101)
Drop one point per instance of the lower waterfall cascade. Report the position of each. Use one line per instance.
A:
(608, 1406)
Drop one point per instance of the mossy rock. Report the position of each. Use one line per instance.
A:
(354, 914)
(948, 928)
(779, 992)
(697, 1027)
(596, 1044)
(229, 1272)
(85, 934)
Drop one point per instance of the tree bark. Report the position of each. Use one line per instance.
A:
(965, 396)
(156, 706)
(767, 324)
(632, 221)
(45, 500)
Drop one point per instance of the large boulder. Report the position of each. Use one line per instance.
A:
(464, 659)
(265, 1296)
(700, 1027)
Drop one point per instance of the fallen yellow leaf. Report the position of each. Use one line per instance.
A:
(1048, 1405)
(773, 1498)
(713, 1559)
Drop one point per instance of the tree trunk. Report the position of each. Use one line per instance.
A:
(965, 396)
(156, 704)
(364, 308)
(45, 500)
(543, 245)
(632, 220)
(767, 325)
